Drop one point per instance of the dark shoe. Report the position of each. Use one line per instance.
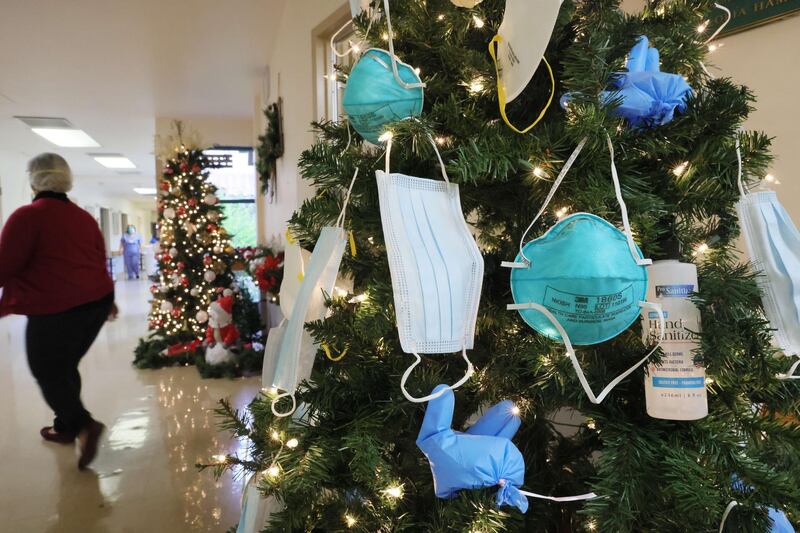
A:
(50, 434)
(89, 441)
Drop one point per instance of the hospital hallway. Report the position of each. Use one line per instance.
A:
(159, 424)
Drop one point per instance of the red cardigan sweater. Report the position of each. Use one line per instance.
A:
(52, 258)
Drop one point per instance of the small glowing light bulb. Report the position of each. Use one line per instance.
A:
(680, 169)
(417, 71)
(386, 136)
(273, 472)
(515, 411)
(275, 435)
(349, 520)
(477, 21)
(709, 381)
(440, 140)
(700, 249)
(769, 178)
(539, 172)
(702, 27)
(220, 458)
(591, 525)
(713, 47)
(385, 36)
(561, 213)
(476, 85)
(292, 443)
(440, 18)
(356, 48)
(394, 492)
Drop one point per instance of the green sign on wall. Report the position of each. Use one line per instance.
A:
(750, 13)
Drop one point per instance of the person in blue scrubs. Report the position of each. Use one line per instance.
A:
(131, 249)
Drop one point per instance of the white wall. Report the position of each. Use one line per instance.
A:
(291, 60)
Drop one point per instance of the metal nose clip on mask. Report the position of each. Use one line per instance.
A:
(295, 358)
(435, 264)
(773, 243)
(584, 281)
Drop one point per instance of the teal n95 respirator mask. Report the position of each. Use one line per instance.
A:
(584, 281)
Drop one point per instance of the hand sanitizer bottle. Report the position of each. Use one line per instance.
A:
(675, 389)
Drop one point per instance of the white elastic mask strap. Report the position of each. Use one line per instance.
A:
(407, 373)
(391, 51)
(352, 47)
(596, 399)
(791, 373)
(277, 399)
(728, 17)
(739, 175)
(727, 512)
(435, 149)
(556, 184)
(624, 209)
(579, 497)
(340, 220)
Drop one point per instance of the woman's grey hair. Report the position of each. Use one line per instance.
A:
(49, 172)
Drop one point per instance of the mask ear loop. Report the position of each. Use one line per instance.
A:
(454, 386)
(274, 404)
(435, 149)
(391, 52)
(739, 179)
(501, 90)
(725, 514)
(624, 209)
(574, 359)
(340, 219)
(352, 48)
(728, 17)
(556, 184)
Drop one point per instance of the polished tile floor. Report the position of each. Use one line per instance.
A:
(160, 423)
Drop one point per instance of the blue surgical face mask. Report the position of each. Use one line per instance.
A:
(583, 282)
(435, 264)
(294, 359)
(773, 243)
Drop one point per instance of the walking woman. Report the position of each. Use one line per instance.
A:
(53, 269)
(130, 246)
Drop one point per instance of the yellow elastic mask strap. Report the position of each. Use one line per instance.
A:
(327, 350)
(352, 243)
(501, 90)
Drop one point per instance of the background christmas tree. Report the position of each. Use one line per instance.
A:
(354, 464)
(195, 259)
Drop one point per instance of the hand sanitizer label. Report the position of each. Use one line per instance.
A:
(675, 389)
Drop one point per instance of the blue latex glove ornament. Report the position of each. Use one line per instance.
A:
(649, 97)
(483, 456)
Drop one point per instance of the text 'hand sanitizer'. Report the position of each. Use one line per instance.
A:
(676, 389)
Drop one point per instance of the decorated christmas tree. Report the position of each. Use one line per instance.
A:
(194, 265)
(662, 452)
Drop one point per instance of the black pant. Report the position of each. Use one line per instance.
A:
(55, 344)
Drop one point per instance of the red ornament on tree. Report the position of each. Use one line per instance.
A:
(211, 227)
(176, 312)
(192, 202)
(181, 265)
(196, 168)
(184, 166)
(168, 170)
(181, 211)
(165, 186)
(184, 281)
